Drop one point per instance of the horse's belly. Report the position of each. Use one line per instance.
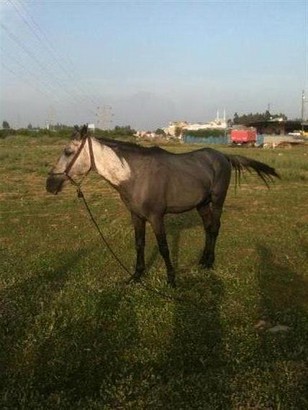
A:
(178, 209)
(185, 199)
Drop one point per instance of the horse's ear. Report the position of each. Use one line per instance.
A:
(84, 131)
(76, 134)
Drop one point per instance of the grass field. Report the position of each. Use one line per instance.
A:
(74, 336)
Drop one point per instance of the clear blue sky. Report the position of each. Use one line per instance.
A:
(150, 61)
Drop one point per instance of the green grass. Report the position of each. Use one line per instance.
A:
(73, 335)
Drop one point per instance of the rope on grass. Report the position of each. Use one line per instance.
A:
(148, 288)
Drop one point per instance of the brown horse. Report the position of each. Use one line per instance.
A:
(153, 182)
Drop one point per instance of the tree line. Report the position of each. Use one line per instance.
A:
(246, 119)
(62, 130)
(127, 131)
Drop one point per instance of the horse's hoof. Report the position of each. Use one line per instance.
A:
(171, 283)
(133, 279)
(206, 264)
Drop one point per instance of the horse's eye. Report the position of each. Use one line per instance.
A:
(68, 151)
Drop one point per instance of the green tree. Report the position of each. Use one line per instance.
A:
(6, 125)
(178, 131)
(247, 119)
(236, 118)
(159, 131)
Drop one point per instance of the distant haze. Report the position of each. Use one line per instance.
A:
(145, 64)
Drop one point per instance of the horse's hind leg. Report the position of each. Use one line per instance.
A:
(139, 226)
(158, 226)
(210, 214)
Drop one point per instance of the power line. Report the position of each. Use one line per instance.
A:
(29, 82)
(74, 91)
(28, 71)
(43, 68)
(32, 56)
(43, 39)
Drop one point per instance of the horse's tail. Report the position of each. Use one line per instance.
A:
(240, 164)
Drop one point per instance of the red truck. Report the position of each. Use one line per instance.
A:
(248, 136)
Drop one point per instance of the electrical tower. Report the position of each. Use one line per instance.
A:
(104, 117)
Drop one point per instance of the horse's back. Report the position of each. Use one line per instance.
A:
(166, 182)
(189, 179)
(204, 163)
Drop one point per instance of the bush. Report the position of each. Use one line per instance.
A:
(204, 133)
(6, 133)
(122, 133)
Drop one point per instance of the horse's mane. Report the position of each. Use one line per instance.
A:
(127, 146)
(123, 146)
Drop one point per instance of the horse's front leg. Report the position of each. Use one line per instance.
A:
(139, 227)
(157, 223)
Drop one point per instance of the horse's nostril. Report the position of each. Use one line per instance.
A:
(54, 184)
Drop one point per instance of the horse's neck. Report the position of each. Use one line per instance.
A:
(109, 165)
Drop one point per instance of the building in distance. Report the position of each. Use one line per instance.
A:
(176, 128)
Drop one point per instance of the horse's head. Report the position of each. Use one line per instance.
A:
(74, 161)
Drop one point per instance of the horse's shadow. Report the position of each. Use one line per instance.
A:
(283, 301)
(283, 290)
(196, 358)
(77, 351)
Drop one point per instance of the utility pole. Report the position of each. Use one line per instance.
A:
(104, 117)
(51, 117)
(303, 106)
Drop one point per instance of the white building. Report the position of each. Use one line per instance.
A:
(91, 127)
(176, 128)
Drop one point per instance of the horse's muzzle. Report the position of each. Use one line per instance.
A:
(54, 183)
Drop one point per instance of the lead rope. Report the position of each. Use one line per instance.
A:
(80, 194)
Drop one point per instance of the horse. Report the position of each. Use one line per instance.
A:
(153, 182)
